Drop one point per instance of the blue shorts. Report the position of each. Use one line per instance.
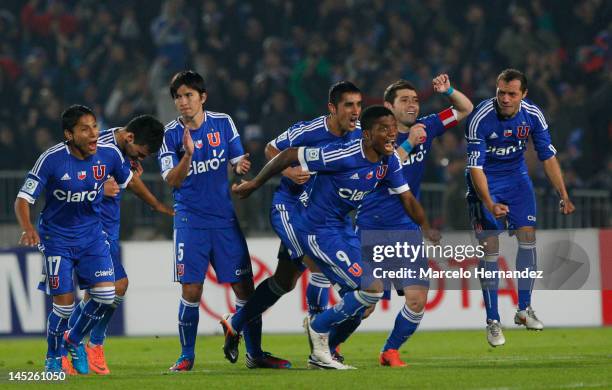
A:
(290, 248)
(224, 248)
(92, 263)
(115, 252)
(337, 252)
(515, 191)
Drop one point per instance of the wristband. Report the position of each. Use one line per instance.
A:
(407, 146)
(449, 91)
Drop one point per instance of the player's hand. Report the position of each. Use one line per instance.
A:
(417, 134)
(244, 189)
(433, 235)
(499, 210)
(111, 188)
(243, 165)
(164, 209)
(297, 175)
(566, 206)
(188, 142)
(441, 83)
(136, 168)
(29, 237)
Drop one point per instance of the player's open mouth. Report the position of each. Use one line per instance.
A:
(390, 145)
(353, 122)
(92, 145)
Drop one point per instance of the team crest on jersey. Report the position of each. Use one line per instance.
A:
(369, 175)
(54, 282)
(508, 133)
(81, 175)
(312, 154)
(99, 171)
(214, 139)
(180, 269)
(522, 132)
(198, 144)
(381, 171)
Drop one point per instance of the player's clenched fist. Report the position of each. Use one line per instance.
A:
(566, 206)
(417, 134)
(433, 235)
(499, 210)
(243, 165)
(441, 83)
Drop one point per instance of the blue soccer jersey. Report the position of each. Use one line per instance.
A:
(307, 133)
(110, 207)
(203, 200)
(73, 192)
(382, 208)
(344, 178)
(498, 144)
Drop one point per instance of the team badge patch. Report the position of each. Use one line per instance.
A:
(81, 175)
(508, 133)
(312, 154)
(99, 172)
(381, 171)
(54, 282)
(214, 139)
(198, 144)
(29, 186)
(180, 269)
(369, 175)
(522, 132)
(166, 163)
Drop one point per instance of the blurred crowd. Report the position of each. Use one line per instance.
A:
(268, 63)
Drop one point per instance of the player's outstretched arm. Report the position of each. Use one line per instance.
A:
(417, 213)
(29, 236)
(139, 188)
(284, 159)
(460, 102)
(479, 180)
(554, 174)
(177, 174)
(295, 174)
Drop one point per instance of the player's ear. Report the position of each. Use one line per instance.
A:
(68, 135)
(203, 96)
(525, 93)
(129, 137)
(388, 105)
(331, 108)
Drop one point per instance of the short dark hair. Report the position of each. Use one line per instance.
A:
(338, 89)
(147, 131)
(188, 78)
(371, 114)
(510, 74)
(391, 91)
(72, 114)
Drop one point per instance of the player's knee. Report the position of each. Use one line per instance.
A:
(285, 283)
(526, 237)
(415, 305)
(244, 288)
(121, 286)
(103, 294)
(376, 287)
(192, 292)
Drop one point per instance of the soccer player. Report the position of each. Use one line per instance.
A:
(346, 173)
(340, 125)
(196, 151)
(500, 194)
(71, 238)
(141, 137)
(382, 210)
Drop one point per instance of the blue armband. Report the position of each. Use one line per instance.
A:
(449, 91)
(407, 146)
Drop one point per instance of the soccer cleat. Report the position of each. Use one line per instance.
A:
(391, 358)
(78, 355)
(528, 318)
(336, 355)
(183, 363)
(53, 364)
(232, 339)
(67, 366)
(319, 347)
(266, 361)
(495, 336)
(317, 364)
(96, 359)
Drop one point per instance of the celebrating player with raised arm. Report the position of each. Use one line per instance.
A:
(141, 137)
(71, 237)
(382, 210)
(346, 173)
(197, 149)
(500, 194)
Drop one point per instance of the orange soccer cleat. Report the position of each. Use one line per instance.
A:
(391, 358)
(97, 361)
(67, 366)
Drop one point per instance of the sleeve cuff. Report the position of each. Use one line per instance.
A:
(127, 181)
(399, 190)
(235, 160)
(474, 166)
(302, 158)
(27, 197)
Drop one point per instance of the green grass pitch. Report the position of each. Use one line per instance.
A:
(552, 359)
